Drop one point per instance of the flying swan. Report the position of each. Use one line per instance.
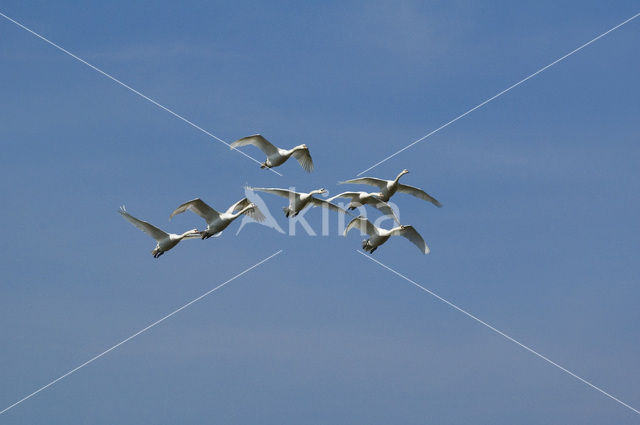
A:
(165, 241)
(275, 155)
(380, 236)
(361, 198)
(298, 201)
(389, 187)
(217, 222)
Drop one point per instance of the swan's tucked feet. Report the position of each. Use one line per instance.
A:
(158, 254)
(366, 246)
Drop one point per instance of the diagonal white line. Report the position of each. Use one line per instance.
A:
(138, 333)
(499, 332)
(131, 89)
(501, 93)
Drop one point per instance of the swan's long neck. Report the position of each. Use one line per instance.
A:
(188, 233)
(316, 192)
(402, 173)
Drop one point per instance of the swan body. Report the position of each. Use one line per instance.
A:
(164, 241)
(361, 198)
(275, 155)
(389, 187)
(379, 236)
(216, 221)
(298, 201)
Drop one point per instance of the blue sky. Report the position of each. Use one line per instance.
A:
(537, 236)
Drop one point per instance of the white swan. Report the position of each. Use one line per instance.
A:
(275, 155)
(165, 241)
(362, 198)
(217, 222)
(380, 236)
(298, 201)
(389, 187)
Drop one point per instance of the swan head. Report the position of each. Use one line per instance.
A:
(402, 173)
(321, 191)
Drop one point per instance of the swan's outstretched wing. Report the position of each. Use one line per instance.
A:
(242, 203)
(350, 195)
(304, 158)
(149, 229)
(381, 206)
(254, 212)
(326, 204)
(275, 191)
(384, 208)
(418, 193)
(367, 180)
(363, 225)
(199, 207)
(412, 234)
(258, 141)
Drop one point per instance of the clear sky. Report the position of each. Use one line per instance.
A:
(538, 234)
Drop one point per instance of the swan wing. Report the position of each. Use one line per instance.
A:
(199, 207)
(368, 180)
(242, 203)
(350, 195)
(412, 234)
(148, 228)
(253, 212)
(363, 225)
(304, 158)
(275, 191)
(326, 204)
(258, 141)
(384, 208)
(418, 193)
